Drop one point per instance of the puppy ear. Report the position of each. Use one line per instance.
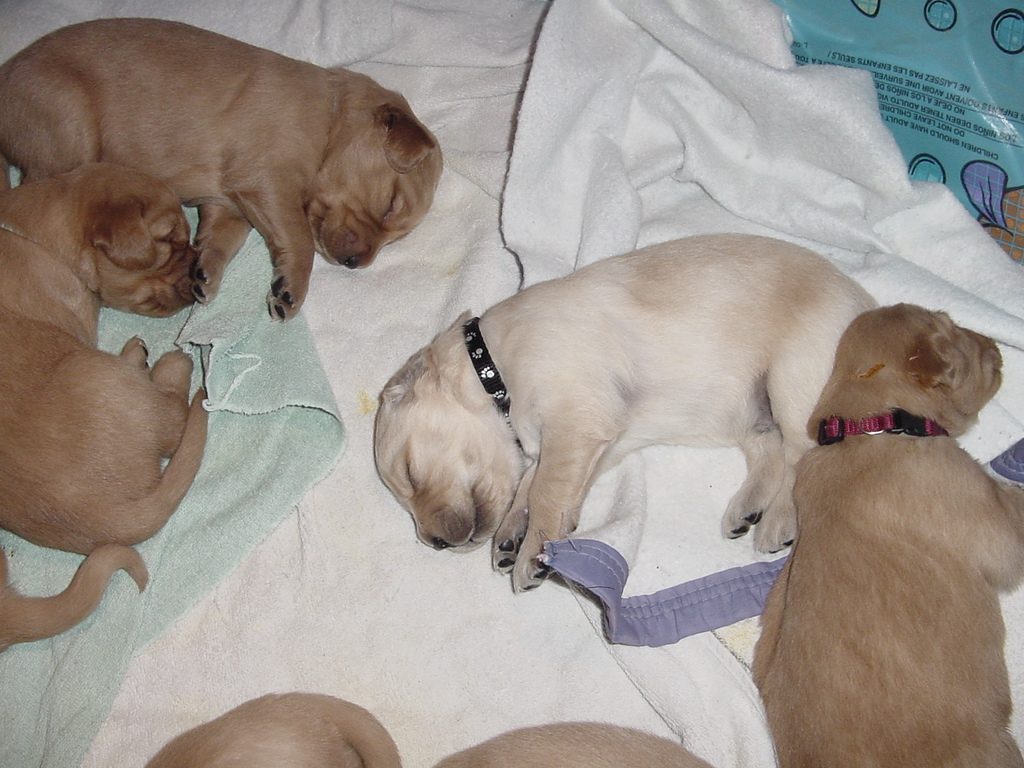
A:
(120, 232)
(423, 364)
(406, 141)
(935, 361)
(402, 383)
(462, 319)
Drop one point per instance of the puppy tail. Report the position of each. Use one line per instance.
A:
(151, 513)
(25, 619)
(365, 734)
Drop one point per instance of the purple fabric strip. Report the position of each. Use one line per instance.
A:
(666, 616)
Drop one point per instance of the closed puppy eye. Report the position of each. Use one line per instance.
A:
(413, 485)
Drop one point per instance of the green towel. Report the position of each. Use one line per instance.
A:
(274, 430)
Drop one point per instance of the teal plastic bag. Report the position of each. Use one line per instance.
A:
(950, 82)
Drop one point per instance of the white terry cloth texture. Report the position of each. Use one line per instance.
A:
(640, 121)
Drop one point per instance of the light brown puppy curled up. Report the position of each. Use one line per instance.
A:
(288, 730)
(575, 745)
(86, 432)
(717, 340)
(882, 641)
(26, 619)
(317, 160)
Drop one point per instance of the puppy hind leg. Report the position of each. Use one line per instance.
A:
(172, 377)
(761, 443)
(220, 235)
(172, 374)
(794, 384)
(777, 528)
(765, 472)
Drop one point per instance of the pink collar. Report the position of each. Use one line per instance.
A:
(897, 421)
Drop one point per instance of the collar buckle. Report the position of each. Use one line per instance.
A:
(831, 430)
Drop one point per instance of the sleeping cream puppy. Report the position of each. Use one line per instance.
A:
(882, 640)
(26, 619)
(499, 427)
(575, 745)
(315, 159)
(86, 433)
(307, 730)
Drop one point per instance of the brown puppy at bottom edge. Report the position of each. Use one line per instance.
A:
(308, 730)
(86, 432)
(882, 640)
(27, 619)
(315, 159)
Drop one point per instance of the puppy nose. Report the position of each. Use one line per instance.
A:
(438, 543)
(352, 262)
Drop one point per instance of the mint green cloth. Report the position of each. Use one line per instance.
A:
(274, 430)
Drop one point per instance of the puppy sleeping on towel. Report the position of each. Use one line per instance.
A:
(315, 159)
(499, 426)
(86, 433)
(882, 640)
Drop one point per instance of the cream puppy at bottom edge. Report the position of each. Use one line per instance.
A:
(715, 340)
(308, 730)
(882, 640)
(26, 619)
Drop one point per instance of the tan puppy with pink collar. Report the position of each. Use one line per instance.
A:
(882, 640)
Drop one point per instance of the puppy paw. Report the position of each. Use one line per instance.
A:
(736, 524)
(776, 531)
(172, 373)
(205, 282)
(136, 353)
(529, 572)
(508, 540)
(283, 301)
(504, 553)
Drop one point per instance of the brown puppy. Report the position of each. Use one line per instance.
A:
(308, 730)
(289, 730)
(315, 159)
(882, 641)
(86, 432)
(25, 619)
